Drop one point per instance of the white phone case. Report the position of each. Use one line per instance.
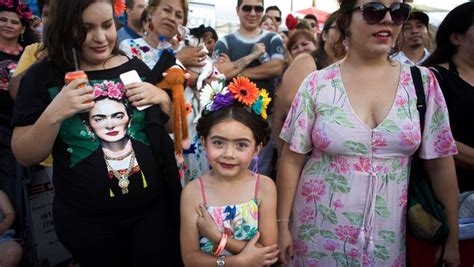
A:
(132, 77)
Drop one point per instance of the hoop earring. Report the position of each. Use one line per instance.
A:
(255, 166)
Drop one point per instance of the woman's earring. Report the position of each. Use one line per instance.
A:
(255, 165)
(21, 37)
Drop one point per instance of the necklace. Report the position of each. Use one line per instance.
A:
(123, 180)
(11, 51)
(119, 157)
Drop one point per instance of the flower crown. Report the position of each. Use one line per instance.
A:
(23, 11)
(216, 96)
(109, 89)
(119, 7)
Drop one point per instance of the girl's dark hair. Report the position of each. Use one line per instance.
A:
(258, 126)
(66, 31)
(459, 20)
(320, 54)
(344, 21)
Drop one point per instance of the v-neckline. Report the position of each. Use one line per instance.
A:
(354, 113)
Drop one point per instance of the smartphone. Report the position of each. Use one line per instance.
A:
(132, 77)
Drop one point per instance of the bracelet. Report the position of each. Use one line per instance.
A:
(221, 246)
(283, 220)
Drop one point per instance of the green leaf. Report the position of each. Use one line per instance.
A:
(328, 214)
(387, 236)
(401, 113)
(381, 253)
(319, 165)
(306, 232)
(353, 217)
(327, 234)
(317, 255)
(340, 258)
(439, 117)
(381, 207)
(355, 263)
(357, 148)
(338, 183)
(388, 126)
(334, 114)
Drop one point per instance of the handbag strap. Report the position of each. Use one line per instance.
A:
(420, 95)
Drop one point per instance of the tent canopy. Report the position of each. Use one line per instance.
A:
(321, 15)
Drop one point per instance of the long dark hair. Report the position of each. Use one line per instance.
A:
(320, 54)
(459, 20)
(66, 31)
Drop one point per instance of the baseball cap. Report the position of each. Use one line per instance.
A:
(421, 16)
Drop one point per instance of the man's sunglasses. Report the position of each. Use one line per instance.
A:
(248, 9)
(374, 12)
(277, 19)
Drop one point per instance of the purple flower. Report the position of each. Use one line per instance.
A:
(222, 101)
(331, 245)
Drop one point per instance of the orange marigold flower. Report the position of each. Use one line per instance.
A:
(245, 91)
(119, 7)
(189, 108)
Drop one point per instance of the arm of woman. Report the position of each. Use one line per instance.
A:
(301, 66)
(251, 255)
(289, 171)
(8, 211)
(33, 143)
(465, 156)
(442, 175)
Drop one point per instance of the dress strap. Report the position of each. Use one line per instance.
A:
(256, 186)
(203, 193)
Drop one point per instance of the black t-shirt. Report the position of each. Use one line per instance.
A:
(7, 67)
(459, 96)
(81, 176)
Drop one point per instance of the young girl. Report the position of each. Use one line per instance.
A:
(230, 211)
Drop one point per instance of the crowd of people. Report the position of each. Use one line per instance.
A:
(277, 144)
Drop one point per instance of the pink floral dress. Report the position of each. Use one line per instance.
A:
(350, 204)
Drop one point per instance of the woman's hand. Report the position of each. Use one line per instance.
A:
(206, 225)
(253, 255)
(192, 56)
(451, 256)
(71, 100)
(285, 242)
(143, 93)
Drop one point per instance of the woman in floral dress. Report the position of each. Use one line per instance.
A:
(346, 205)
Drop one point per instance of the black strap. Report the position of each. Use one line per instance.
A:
(420, 95)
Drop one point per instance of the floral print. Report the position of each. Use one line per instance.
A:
(239, 222)
(350, 204)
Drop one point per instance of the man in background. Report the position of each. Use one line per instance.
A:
(275, 13)
(313, 23)
(133, 29)
(414, 36)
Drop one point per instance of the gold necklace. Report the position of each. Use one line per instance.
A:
(123, 180)
(120, 157)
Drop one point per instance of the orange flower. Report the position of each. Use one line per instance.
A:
(245, 91)
(189, 108)
(119, 7)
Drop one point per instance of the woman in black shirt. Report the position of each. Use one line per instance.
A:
(111, 200)
(453, 63)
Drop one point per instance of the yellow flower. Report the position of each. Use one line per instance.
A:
(266, 100)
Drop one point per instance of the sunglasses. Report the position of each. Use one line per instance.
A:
(374, 12)
(248, 9)
(277, 19)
